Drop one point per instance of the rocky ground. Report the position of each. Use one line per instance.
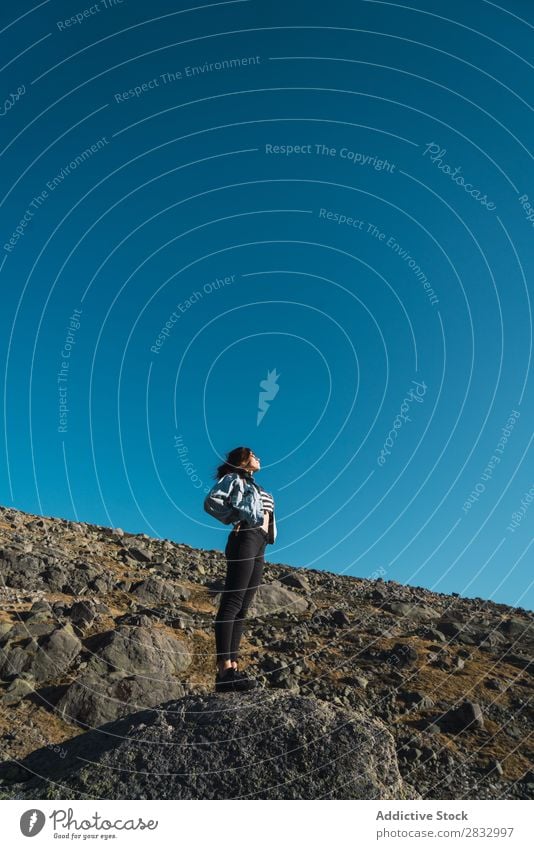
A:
(370, 689)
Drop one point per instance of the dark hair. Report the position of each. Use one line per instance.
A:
(232, 462)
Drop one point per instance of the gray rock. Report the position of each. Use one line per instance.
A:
(20, 570)
(411, 753)
(214, 588)
(17, 660)
(56, 654)
(519, 660)
(467, 716)
(434, 634)
(182, 621)
(358, 681)
(414, 612)
(450, 627)
(103, 583)
(419, 701)
(262, 745)
(340, 618)
(516, 627)
(28, 629)
(5, 628)
(273, 598)
(41, 611)
(131, 668)
(282, 677)
(138, 619)
(131, 650)
(17, 690)
(495, 684)
(402, 655)
(491, 639)
(295, 580)
(77, 580)
(140, 553)
(43, 659)
(82, 613)
(155, 591)
(96, 699)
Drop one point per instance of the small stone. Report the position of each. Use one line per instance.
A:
(293, 579)
(143, 555)
(17, 690)
(182, 622)
(495, 766)
(5, 627)
(467, 716)
(340, 618)
(82, 614)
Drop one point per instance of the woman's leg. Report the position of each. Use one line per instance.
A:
(241, 551)
(254, 583)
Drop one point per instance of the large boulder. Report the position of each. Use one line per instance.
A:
(155, 591)
(413, 612)
(131, 668)
(256, 745)
(49, 570)
(520, 630)
(95, 698)
(273, 598)
(18, 569)
(132, 650)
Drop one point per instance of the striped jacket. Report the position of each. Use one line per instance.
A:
(243, 494)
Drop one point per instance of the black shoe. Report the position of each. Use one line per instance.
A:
(234, 682)
(224, 682)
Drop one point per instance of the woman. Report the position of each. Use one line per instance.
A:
(252, 513)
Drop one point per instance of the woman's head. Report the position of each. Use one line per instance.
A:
(238, 460)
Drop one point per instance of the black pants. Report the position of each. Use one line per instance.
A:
(244, 556)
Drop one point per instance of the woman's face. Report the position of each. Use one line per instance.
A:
(253, 463)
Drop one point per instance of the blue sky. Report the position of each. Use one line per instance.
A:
(325, 203)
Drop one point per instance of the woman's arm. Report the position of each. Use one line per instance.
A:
(229, 490)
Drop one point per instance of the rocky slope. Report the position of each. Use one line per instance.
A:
(370, 689)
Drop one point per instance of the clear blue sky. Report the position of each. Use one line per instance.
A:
(329, 197)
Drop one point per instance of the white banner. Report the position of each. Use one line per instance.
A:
(311, 824)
